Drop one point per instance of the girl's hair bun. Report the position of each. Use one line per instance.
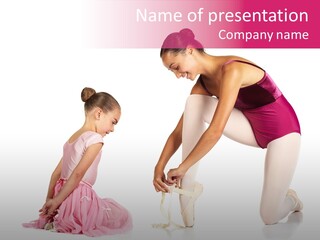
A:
(86, 93)
(102, 100)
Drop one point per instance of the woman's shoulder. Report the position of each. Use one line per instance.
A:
(225, 60)
(234, 64)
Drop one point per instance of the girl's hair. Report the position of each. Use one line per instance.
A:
(178, 42)
(102, 100)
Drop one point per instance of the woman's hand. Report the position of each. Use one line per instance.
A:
(175, 175)
(159, 181)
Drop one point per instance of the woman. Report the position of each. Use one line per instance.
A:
(238, 99)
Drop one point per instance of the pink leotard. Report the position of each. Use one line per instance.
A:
(83, 211)
(271, 116)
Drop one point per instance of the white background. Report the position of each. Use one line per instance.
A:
(43, 68)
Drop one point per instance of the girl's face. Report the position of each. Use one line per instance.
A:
(107, 121)
(182, 64)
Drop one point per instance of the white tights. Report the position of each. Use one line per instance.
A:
(280, 162)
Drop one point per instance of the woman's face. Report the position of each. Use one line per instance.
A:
(182, 64)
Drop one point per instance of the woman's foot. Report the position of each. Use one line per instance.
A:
(187, 201)
(298, 205)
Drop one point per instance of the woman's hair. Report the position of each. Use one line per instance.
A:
(178, 42)
(102, 100)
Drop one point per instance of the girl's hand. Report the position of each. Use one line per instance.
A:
(159, 182)
(49, 209)
(175, 175)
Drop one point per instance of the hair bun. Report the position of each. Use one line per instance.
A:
(86, 93)
(178, 41)
(187, 33)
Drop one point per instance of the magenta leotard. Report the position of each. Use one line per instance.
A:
(270, 114)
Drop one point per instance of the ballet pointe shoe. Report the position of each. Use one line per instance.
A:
(187, 212)
(298, 204)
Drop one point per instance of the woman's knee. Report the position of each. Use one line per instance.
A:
(194, 99)
(198, 102)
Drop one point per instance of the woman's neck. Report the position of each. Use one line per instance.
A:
(209, 65)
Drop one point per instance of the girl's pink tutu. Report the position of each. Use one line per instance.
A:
(83, 212)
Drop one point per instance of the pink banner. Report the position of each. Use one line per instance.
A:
(216, 23)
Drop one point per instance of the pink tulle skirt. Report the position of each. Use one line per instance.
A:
(83, 212)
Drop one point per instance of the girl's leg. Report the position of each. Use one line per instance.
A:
(281, 160)
(198, 113)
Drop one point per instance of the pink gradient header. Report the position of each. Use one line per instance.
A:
(215, 23)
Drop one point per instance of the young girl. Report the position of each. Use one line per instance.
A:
(72, 206)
